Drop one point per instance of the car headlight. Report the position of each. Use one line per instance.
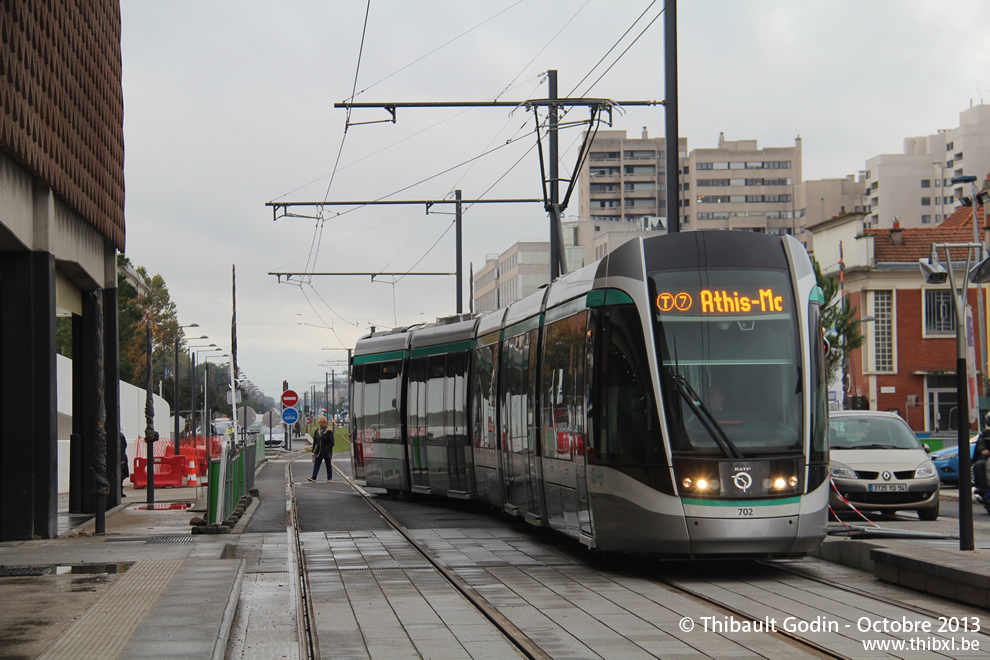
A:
(926, 470)
(951, 456)
(840, 471)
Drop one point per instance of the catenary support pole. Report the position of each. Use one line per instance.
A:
(673, 147)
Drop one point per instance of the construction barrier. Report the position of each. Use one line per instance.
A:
(169, 472)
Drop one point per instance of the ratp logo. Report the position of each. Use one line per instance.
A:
(742, 481)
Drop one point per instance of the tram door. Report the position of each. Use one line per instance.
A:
(520, 444)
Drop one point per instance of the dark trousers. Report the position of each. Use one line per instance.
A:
(980, 476)
(320, 461)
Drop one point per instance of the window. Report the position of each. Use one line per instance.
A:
(604, 171)
(926, 183)
(603, 187)
(634, 202)
(926, 201)
(640, 170)
(566, 363)
(926, 219)
(713, 182)
(485, 359)
(883, 330)
(703, 166)
(604, 155)
(632, 186)
(639, 153)
(939, 317)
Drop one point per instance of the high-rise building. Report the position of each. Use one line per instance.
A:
(738, 185)
(622, 179)
(915, 187)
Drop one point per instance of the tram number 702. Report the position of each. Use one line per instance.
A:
(746, 511)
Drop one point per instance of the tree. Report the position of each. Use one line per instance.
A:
(840, 324)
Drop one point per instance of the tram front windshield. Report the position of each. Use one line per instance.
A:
(727, 341)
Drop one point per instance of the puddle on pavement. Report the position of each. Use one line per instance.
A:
(65, 569)
(164, 506)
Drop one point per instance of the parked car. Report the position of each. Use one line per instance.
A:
(946, 461)
(274, 437)
(878, 464)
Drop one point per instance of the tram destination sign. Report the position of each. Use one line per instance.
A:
(720, 301)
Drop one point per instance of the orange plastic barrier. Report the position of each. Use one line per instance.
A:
(168, 472)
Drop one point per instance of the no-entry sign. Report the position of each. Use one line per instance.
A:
(289, 398)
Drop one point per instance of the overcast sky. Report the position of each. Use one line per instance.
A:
(229, 105)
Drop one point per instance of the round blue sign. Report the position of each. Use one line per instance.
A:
(290, 415)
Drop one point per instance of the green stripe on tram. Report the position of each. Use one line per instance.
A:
(741, 503)
(379, 357)
(606, 297)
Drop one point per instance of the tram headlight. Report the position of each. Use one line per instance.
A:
(779, 483)
(793, 481)
(701, 484)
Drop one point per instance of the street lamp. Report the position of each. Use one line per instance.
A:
(978, 197)
(935, 273)
(175, 381)
(192, 380)
(206, 410)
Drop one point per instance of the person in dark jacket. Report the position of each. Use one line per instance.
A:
(981, 452)
(322, 449)
(124, 469)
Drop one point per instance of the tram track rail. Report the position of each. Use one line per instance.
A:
(789, 637)
(309, 644)
(833, 584)
(523, 643)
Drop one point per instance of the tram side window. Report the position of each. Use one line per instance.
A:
(371, 424)
(485, 359)
(563, 386)
(628, 429)
(434, 397)
(518, 385)
(416, 412)
(455, 401)
(388, 405)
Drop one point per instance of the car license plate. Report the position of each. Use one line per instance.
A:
(887, 488)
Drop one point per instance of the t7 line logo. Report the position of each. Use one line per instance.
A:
(670, 301)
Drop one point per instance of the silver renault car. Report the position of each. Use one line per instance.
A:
(878, 464)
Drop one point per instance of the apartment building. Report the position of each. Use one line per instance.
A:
(915, 187)
(738, 185)
(511, 276)
(622, 180)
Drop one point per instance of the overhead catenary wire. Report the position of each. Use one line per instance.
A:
(438, 48)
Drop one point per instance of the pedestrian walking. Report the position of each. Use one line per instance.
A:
(124, 469)
(322, 449)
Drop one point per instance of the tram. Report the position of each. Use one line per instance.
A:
(669, 399)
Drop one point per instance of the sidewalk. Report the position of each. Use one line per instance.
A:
(146, 584)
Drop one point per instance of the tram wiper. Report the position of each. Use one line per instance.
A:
(706, 417)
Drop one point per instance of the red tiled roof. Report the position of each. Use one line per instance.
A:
(963, 217)
(916, 243)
